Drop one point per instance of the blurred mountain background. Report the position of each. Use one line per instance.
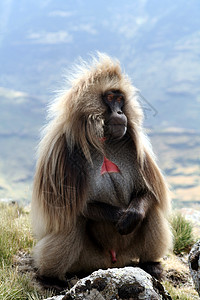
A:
(158, 45)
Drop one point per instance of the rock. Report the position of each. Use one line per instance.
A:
(125, 283)
(194, 264)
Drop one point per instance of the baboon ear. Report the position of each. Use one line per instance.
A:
(62, 179)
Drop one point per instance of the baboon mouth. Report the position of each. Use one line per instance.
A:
(115, 131)
(115, 124)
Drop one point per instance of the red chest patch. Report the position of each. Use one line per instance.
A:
(109, 167)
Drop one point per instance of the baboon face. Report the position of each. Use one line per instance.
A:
(115, 125)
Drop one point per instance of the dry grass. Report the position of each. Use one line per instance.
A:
(15, 236)
(178, 281)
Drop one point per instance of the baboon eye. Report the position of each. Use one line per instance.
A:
(119, 99)
(110, 97)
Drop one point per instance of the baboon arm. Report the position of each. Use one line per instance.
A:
(133, 216)
(99, 211)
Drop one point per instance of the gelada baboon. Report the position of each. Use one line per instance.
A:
(99, 198)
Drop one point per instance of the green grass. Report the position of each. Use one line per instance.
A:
(182, 232)
(15, 236)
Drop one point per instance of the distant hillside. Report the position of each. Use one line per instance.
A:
(21, 119)
(178, 154)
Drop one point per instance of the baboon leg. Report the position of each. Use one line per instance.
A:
(155, 269)
(154, 239)
(55, 253)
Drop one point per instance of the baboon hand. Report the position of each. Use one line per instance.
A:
(129, 221)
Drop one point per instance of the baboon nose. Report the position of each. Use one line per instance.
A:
(119, 112)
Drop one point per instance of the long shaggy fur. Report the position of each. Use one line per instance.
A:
(60, 185)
